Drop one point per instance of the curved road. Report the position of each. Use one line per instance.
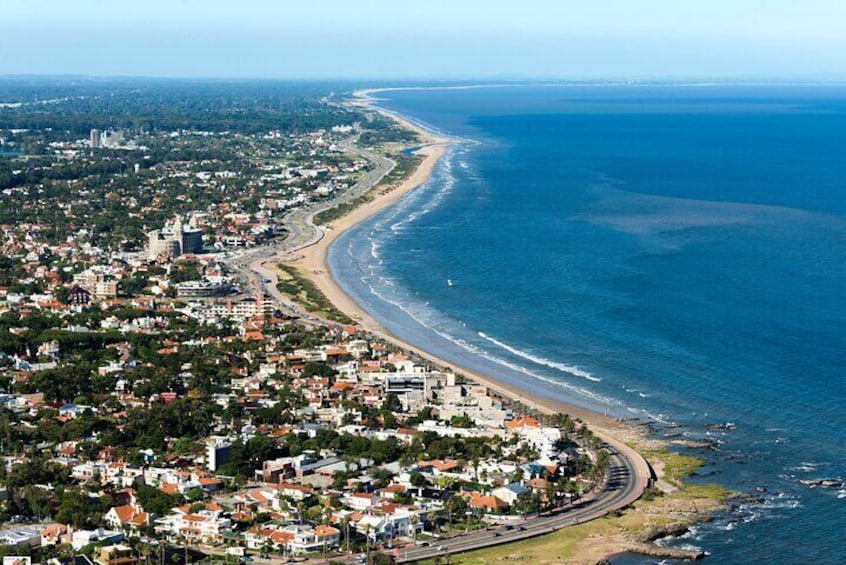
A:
(624, 484)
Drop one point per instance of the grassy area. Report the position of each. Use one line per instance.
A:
(300, 288)
(675, 465)
(406, 164)
(555, 547)
(595, 540)
(341, 210)
(385, 131)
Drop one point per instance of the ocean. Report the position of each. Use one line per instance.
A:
(670, 253)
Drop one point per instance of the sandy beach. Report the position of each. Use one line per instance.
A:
(314, 264)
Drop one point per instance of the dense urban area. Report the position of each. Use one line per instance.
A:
(159, 406)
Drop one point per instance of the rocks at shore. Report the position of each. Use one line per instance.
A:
(644, 545)
(696, 443)
(824, 483)
(659, 532)
(721, 427)
(652, 550)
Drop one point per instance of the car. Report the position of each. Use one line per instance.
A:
(424, 544)
(521, 529)
(441, 548)
(497, 534)
(508, 527)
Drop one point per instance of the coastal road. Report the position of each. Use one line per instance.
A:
(622, 486)
(300, 229)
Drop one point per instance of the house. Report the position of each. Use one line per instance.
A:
(78, 296)
(297, 492)
(388, 522)
(20, 536)
(438, 466)
(130, 516)
(307, 539)
(510, 492)
(205, 525)
(517, 424)
(81, 538)
(360, 500)
(487, 503)
(544, 439)
(71, 410)
(116, 555)
(294, 539)
(54, 534)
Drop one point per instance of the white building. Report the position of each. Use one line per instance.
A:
(203, 526)
(175, 239)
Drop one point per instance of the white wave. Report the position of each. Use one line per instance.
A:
(564, 368)
(374, 249)
(660, 417)
(690, 547)
(787, 504)
(803, 468)
(423, 318)
(443, 183)
(752, 517)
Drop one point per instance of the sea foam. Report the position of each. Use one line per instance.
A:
(563, 367)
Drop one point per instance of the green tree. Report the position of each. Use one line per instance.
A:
(80, 510)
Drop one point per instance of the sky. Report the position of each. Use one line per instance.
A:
(406, 39)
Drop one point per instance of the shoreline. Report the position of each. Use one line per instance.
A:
(620, 434)
(313, 262)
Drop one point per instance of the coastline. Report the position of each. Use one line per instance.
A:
(680, 507)
(313, 262)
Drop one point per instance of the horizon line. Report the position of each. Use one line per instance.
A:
(763, 78)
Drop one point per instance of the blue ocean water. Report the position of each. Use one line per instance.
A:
(673, 253)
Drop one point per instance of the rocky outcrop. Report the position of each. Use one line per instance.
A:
(825, 483)
(658, 532)
(653, 550)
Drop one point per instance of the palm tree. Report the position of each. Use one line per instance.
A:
(367, 541)
(414, 520)
(300, 511)
(601, 466)
(345, 524)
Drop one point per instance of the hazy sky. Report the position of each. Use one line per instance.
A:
(424, 38)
